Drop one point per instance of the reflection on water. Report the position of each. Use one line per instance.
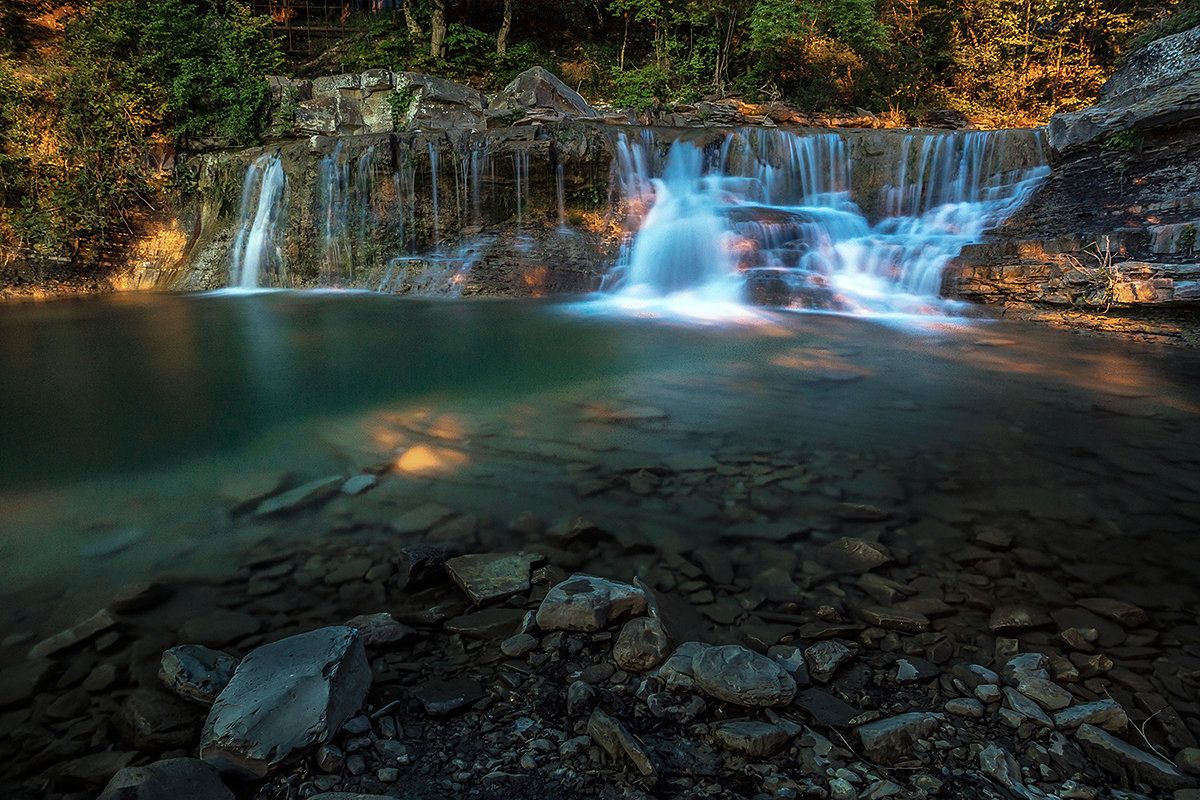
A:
(135, 425)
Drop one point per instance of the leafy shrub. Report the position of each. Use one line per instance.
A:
(640, 88)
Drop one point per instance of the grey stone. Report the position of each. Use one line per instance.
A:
(824, 658)
(540, 89)
(99, 622)
(641, 645)
(751, 737)
(677, 671)
(891, 739)
(519, 645)
(490, 623)
(999, 765)
(965, 707)
(736, 675)
(1017, 618)
(825, 708)
(304, 496)
(1046, 693)
(791, 658)
(895, 619)
(1127, 614)
(1131, 763)
(380, 629)
(580, 698)
(358, 484)
(488, 577)
(196, 673)
(155, 720)
(171, 779)
(618, 742)
(855, 555)
(1107, 714)
(1026, 708)
(285, 698)
(587, 603)
(915, 670)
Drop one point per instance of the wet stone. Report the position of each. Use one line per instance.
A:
(1046, 693)
(825, 708)
(518, 645)
(751, 737)
(1026, 708)
(1127, 614)
(825, 658)
(284, 698)
(303, 496)
(641, 645)
(587, 603)
(99, 622)
(733, 674)
(965, 707)
(915, 670)
(380, 629)
(1131, 763)
(486, 578)
(1017, 618)
(895, 619)
(855, 555)
(1107, 714)
(196, 673)
(358, 484)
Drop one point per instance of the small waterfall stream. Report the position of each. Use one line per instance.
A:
(255, 251)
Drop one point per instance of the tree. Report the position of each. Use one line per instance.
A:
(437, 30)
(505, 27)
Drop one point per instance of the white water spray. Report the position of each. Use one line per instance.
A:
(255, 251)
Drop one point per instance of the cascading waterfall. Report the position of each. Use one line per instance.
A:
(775, 208)
(521, 182)
(433, 188)
(255, 251)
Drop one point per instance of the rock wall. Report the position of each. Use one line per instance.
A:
(1115, 224)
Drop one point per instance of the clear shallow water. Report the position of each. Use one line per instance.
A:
(131, 421)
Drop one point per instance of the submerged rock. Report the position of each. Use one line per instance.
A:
(587, 603)
(301, 497)
(196, 673)
(751, 737)
(171, 779)
(284, 698)
(99, 622)
(736, 675)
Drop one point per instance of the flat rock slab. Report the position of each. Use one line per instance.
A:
(196, 673)
(886, 741)
(487, 577)
(1107, 714)
(735, 674)
(285, 698)
(1131, 763)
(301, 497)
(825, 708)
(490, 623)
(172, 779)
(99, 622)
(587, 603)
(380, 629)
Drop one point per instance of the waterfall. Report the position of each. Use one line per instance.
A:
(560, 191)
(521, 181)
(255, 251)
(433, 184)
(776, 209)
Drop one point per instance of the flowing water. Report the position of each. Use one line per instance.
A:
(256, 258)
(782, 208)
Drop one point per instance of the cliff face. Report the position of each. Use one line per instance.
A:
(1115, 224)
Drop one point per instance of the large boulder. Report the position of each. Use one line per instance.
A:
(428, 103)
(285, 698)
(539, 90)
(1157, 86)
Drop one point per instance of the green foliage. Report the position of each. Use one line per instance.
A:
(1127, 141)
(1184, 17)
(640, 88)
(1187, 239)
(198, 70)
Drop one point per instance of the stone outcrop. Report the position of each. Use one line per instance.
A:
(1113, 229)
(539, 91)
(1158, 86)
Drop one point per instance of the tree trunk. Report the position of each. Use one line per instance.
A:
(437, 30)
(410, 22)
(505, 27)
